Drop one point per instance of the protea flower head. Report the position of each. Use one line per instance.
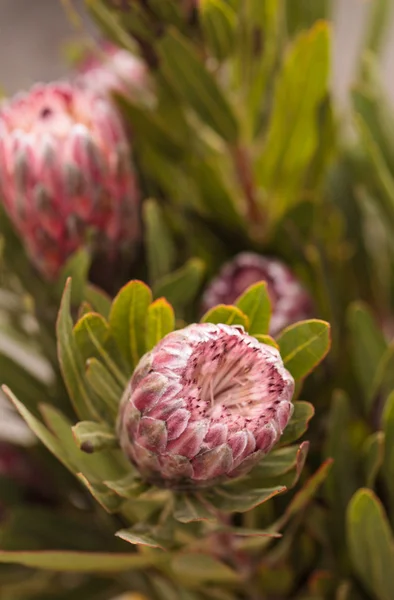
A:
(205, 404)
(65, 169)
(290, 301)
(111, 69)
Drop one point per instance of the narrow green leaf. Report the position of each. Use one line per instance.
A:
(91, 436)
(76, 267)
(159, 246)
(195, 85)
(304, 345)
(189, 508)
(160, 321)
(133, 536)
(195, 568)
(108, 499)
(298, 424)
(373, 456)
(230, 499)
(276, 463)
(218, 21)
(368, 348)
(371, 544)
(42, 432)
(127, 320)
(256, 305)
(71, 362)
(388, 462)
(90, 323)
(81, 562)
(227, 315)
(128, 486)
(100, 301)
(342, 480)
(266, 339)
(180, 287)
(293, 133)
(105, 386)
(306, 494)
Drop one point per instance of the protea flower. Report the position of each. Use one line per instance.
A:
(65, 168)
(205, 404)
(111, 69)
(290, 301)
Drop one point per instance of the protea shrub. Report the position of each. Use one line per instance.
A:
(206, 403)
(66, 172)
(290, 300)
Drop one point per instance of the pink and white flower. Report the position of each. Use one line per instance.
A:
(207, 403)
(66, 170)
(290, 301)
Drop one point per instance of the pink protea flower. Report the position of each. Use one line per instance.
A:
(290, 301)
(65, 168)
(111, 69)
(205, 404)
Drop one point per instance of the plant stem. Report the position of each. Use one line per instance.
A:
(244, 173)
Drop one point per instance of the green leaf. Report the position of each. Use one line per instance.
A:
(108, 499)
(193, 568)
(107, 389)
(371, 544)
(293, 133)
(196, 86)
(218, 21)
(237, 498)
(266, 339)
(276, 463)
(90, 324)
(100, 301)
(160, 321)
(91, 436)
(134, 536)
(80, 562)
(77, 267)
(189, 508)
(43, 434)
(227, 315)
(256, 305)
(373, 456)
(298, 424)
(388, 462)
(71, 363)
(304, 345)
(128, 486)
(180, 287)
(160, 250)
(368, 348)
(127, 320)
(342, 481)
(306, 494)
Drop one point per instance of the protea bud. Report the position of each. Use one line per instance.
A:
(290, 301)
(110, 69)
(65, 169)
(205, 404)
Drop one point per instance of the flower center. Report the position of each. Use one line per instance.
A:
(229, 379)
